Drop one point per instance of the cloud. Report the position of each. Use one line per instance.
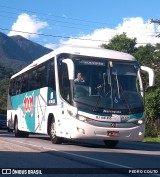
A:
(27, 23)
(133, 27)
(137, 28)
(52, 46)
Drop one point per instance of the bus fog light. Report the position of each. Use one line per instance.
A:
(81, 130)
(140, 133)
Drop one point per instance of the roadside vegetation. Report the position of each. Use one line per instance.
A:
(151, 140)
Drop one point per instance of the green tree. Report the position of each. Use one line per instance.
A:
(4, 84)
(152, 109)
(5, 74)
(121, 43)
(148, 56)
(145, 55)
(156, 64)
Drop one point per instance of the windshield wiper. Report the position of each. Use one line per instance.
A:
(122, 92)
(119, 89)
(117, 86)
(101, 88)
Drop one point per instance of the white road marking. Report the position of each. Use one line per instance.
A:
(80, 156)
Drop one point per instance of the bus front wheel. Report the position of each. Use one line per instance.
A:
(111, 143)
(54, 139)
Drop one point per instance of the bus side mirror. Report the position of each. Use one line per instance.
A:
(70, 66)
(151, 75)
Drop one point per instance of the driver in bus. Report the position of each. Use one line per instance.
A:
(79, 77)
(80, 88)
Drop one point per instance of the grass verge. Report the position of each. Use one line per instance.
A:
(152, 139)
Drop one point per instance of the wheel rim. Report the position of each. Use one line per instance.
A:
(52, 131)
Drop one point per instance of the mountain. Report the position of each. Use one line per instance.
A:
(16, 51)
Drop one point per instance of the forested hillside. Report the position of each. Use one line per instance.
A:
(17, 51)
(5, 74)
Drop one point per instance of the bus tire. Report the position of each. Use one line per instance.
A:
(10, 130)
(111, 143)
(24, 134)
(54, 139)
(19, 133)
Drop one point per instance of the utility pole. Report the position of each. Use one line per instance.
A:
(156, 24)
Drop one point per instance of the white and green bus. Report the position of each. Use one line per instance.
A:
(108, 105)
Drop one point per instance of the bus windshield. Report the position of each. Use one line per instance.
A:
(107, 86)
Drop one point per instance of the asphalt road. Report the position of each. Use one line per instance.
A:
(77, 158)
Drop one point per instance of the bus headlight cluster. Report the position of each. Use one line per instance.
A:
(83, 118)
(140, 121)
(79, 117)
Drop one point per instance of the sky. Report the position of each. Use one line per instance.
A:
(53, 23)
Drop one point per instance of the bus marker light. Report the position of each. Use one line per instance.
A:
(81, 130)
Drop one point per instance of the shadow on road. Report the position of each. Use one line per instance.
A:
(37, 152)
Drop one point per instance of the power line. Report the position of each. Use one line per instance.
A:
(54, 25)
(75, 25)
(57, 21)
(51, 24)
(52, 15)
(55, 36)
(65, 26)
(60, 36)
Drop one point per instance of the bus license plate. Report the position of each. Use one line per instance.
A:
(112, 133)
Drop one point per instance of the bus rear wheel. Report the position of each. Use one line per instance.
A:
(19, 133)
(54, 139)
(16, 131)
(111, 143)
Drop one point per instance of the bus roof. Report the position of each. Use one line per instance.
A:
(82, 51)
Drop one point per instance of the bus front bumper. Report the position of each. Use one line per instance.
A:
(86, 131)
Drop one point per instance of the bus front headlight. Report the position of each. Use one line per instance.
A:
(82, 118)
(79, 117)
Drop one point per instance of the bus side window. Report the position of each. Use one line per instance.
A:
(41, 76)
(64, 82)
(51, 75)
(23, 86)
(31, 80)
(18, 86)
